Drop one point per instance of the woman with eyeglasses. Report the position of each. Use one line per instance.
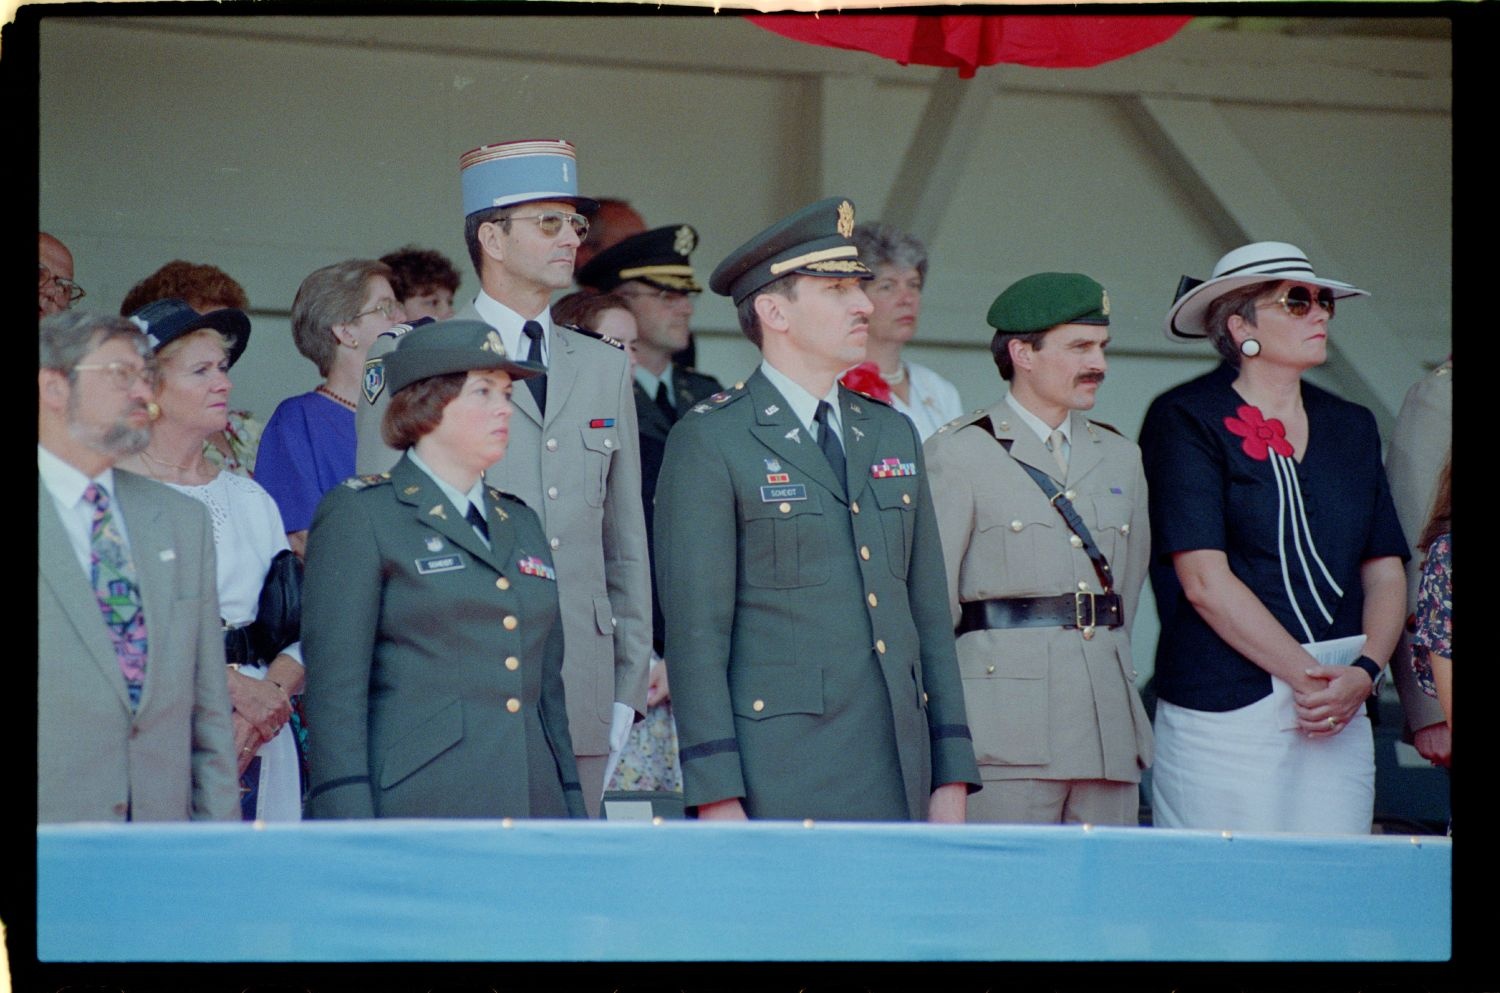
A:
(308, 445)
(193, 355)
(433, 634)
(1269, 498)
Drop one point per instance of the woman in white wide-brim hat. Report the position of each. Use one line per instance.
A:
(1269, 497)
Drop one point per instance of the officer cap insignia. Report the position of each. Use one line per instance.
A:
(684, 241)
(1104, 303)
(492, 343)
(846, 219)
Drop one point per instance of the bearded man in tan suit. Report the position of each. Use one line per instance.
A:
(1042, 604)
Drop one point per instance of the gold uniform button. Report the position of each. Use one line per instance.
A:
(854, 507)
(502, 583)
(551, 444)
(874, 601)
(552, 492)
(864, 552)
(1075, 541)
(512, 663)
(785, 508)
(1124, 528)
(1016, 525)
(555, 542)
(510, 622)
(513, 705)
(906, 498)
(758, 706)
(880, 646)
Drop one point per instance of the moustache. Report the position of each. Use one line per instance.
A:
(1090, 377)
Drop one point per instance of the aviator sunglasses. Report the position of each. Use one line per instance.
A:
(551, 222)
(1298, 300)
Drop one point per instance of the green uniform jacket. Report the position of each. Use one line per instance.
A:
(813, 666)
(434, 664)
(1044, 702)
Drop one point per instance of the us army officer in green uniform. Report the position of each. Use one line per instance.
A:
(431, 611)
(813, 667)
(1044, 625)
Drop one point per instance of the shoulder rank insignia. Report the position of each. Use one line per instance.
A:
(596, 335)
(374, 382)
(1107, 427)
(533, 566)
(498, 495)
(364, 482)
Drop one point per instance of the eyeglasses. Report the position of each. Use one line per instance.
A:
(665, 296)
(44, 278)
(386, 309)
(1298, 300)
(122, 375)
(551, 222)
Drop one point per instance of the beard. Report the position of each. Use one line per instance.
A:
(117, 441)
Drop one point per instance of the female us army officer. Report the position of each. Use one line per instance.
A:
(430, 616)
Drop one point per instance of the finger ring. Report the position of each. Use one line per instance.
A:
(1333, 724)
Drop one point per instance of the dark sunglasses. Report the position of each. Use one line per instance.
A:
(1298, 300)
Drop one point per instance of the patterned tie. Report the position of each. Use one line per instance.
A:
(1057, 444)
(664, 403)
(119, 596)
(828, 440)
(537, 384)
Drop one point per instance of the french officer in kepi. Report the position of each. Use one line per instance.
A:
(1045, 534)
(813, 666)
(431, 610)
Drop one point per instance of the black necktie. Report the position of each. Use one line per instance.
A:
(476, 519)
(664, 404)
(833, 449)
(537, 384)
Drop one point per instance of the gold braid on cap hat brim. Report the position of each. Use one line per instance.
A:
(842, 252)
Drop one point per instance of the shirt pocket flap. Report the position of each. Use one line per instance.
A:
(422, 742)
(605, 441)
(895, 494)
(771, 691)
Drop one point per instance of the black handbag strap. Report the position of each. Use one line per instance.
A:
(1063, 506)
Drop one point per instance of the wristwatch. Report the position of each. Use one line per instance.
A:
(1373, 668)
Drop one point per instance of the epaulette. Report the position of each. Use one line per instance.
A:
(962, 421)
(723, 398)
(397, 330)
(595, 334)
(501, 494)
(365, 482)
(1107, 427)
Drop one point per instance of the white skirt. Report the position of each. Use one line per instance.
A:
(1238, 771)
(279, 796)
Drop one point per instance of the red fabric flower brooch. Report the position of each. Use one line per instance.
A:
(865, 378)
(1261, 436)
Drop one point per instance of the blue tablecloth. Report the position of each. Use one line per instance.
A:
(770, 891)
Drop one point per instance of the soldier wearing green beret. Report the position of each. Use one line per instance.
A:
(813, 670)
(1045, 535)
(431, 610)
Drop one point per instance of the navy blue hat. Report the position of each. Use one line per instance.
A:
(451, 346)
(658, 257)
(815, 241)
(164, 321)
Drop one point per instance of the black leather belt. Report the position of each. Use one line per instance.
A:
(238, 647)
(1070, 610)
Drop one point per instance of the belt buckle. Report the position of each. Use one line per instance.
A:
(1078, 614)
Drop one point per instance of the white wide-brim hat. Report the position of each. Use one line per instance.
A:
(1261, 262)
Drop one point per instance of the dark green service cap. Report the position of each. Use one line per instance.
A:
(658, 257)
(451, 346)
(812, 242)
(1046, 300)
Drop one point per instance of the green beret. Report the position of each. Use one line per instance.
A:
(658, 257)
(815, 241)
(1047, 299)
(450, 346)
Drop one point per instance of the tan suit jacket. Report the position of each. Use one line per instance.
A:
(1043, 702)
(1423, 433)
(580, 470)
(173, 759)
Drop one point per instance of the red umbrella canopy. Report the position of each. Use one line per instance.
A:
(968, 41)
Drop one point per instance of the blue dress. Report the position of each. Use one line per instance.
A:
(306, 449)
